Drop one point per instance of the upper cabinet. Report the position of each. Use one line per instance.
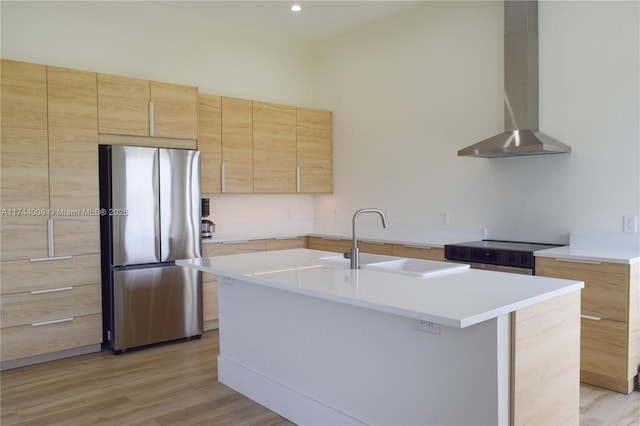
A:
(134, 107)
(274, 148)
(237, 145)
(210, 142)
(24, 95)
(123, 105)
(258, 147)
(314, 150)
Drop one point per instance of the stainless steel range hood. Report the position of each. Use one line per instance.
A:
(521, 136)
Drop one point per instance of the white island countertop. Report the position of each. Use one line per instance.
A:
(459, 299)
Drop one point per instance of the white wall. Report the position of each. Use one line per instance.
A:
(409, 92)
(157, 41)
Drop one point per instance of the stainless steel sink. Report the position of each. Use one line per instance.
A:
(414, 267)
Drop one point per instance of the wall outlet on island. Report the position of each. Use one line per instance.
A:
(630, 224)
(427, 326)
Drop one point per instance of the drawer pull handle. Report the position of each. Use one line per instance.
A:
(223, 178)
(152, 126)
(589, 262)
(235, 242)
(44, 259)
(589, 317)
(51, 290)
(331, 239)
(372, 242)
(37, 324)
(417, 247)
(287, 238)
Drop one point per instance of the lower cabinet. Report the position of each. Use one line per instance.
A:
(419, 252)
(50, 309)
(210, 281)
(610, 324)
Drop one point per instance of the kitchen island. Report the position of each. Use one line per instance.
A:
(320, 343)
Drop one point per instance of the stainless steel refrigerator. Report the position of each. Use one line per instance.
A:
(150, 217)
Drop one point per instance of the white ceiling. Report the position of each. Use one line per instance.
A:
(319, 19)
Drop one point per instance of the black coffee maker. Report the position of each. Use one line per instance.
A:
(206, 226)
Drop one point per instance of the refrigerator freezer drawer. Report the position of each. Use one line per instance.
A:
(156, 304)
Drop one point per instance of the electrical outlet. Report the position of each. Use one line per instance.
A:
(630, 224)
(427, 326)
(444, 218)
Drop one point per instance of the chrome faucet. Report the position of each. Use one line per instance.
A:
(354, 253)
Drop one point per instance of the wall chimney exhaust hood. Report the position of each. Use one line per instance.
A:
(522, 136)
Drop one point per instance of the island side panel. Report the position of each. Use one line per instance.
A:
(546, 362)
(368, 366)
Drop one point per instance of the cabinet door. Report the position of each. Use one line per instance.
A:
(416, 252)
(237, 145)
(606, 285)
(24, 193)
(329, 244)
(72, 98)
(73, 161)
(314, 144)
(24, 95)
(210, 142)
(274, 148)
(175, 111)
(123, 105)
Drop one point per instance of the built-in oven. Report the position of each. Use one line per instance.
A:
(497, 255)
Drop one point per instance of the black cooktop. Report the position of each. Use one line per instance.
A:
(506, 245)
(496, 252)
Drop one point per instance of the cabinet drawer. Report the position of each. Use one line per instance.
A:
(27, 340)
(604, 348)
(23, 275)
(428, 253)
(375, 248)
(49, 305)
(606, 285)
(286, 243)
(240, 247)
(329, 244)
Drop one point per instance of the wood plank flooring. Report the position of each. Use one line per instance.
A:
(176, 384)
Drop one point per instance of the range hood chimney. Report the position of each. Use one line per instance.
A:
(521, 136)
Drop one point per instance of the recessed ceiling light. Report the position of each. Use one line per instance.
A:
(296, 8)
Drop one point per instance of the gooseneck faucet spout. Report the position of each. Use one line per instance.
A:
(354, 253)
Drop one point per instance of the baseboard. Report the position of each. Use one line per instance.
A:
(52, 356)
(287, 402)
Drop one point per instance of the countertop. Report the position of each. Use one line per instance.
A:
(459, 300)
(368, 231)
(614, 248)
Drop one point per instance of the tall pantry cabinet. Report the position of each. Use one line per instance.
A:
(50, 263)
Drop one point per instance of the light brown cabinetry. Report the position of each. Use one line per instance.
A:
(314, 150)
(274, 148)
(50, 268)
(419, 252)
(210, 142)
(610, 324)
(338, 245)
(237, 145)
(135, 107)
(258, 147)
(210, 281)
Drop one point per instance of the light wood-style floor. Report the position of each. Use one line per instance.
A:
(176, 384)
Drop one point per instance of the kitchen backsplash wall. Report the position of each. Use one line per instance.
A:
(253, 213)
(408, 92)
